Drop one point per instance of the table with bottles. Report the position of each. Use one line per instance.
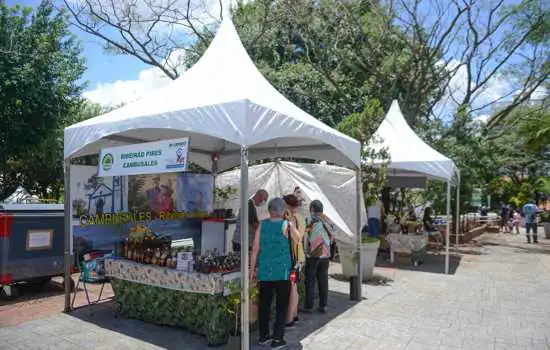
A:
(157, 283)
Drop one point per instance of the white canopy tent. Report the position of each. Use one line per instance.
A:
(20, 196)
(411, 157)
(232, 114)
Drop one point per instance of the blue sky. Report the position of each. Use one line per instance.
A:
(102, 67)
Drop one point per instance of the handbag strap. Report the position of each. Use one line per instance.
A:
(292, 258)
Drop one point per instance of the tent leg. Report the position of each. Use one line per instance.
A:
(244, 251)
(457, 229)
(358, 187)
(67, 239)
(448, 229)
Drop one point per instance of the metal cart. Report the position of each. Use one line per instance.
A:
(31, 245)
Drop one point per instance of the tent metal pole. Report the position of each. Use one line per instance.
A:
(67, 224)
(448, 229)
(244, 250)
(358, 187)
(457, 229)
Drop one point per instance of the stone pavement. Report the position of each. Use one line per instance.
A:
(36, 302)
(496, 299)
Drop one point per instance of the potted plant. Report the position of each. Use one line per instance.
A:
(369, 251)
(545, 223)
(223, 195)
(233, 308)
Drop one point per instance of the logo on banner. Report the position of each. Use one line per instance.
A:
(107, 162)
(180, 156)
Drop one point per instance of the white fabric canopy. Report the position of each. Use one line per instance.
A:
(20, 195)
(409, 155)
(334, 186)
(223, 102)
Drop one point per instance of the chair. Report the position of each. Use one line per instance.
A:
(83, 279)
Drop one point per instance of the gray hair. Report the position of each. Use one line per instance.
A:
(276, 206)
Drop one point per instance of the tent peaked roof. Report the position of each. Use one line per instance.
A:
(20, 195)
(408, 152)
(223, 96)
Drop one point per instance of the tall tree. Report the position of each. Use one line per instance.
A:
(494, 49)
(325, 56)
(40, 169)
(40, 68)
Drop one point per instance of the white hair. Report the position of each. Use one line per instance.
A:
(276, 206)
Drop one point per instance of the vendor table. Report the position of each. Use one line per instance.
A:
(410, 244)
(160, 295)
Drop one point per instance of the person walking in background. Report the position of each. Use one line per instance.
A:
(516, 219)
(529, 214)
(317, 248)
(483, 213)
(295, 216)
(504, 216)
(272, 256)
(257, 200)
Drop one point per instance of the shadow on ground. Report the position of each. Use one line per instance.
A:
(433, 263)
(35, 291)
(376, 280)
(103, 315)
(529, 248)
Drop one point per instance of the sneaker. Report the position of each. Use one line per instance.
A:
(323, 309)
(264, 340)
(278, 344)
(290, 325)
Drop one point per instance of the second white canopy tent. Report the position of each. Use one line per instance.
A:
(411, 157)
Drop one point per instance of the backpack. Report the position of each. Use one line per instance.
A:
(317, 252)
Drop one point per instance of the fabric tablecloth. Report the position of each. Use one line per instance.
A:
(400, 243)
(164, 277)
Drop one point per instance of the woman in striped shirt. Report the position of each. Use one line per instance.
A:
(317, 243)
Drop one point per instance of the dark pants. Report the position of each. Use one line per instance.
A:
(237, 247)
(316, 273)
(267, 290)
(531, 227)
(332, 250)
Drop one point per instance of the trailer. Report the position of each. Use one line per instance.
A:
(31, 245)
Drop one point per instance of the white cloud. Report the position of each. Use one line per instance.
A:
(482, 118)
(126, 91)
(495, 93)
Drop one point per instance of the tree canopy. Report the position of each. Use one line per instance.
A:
(342, 61)
(40, 68)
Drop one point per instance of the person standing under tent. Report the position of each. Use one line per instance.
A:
(529, 214)
(317, 244)
(271, 254)
(294, 215)
(259, 199)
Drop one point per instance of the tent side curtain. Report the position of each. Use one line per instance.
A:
(334, 186)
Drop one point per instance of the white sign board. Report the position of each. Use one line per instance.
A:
(184, 260)
(39, 239)
(158, 157)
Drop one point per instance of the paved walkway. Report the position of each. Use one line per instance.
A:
(498, 298)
